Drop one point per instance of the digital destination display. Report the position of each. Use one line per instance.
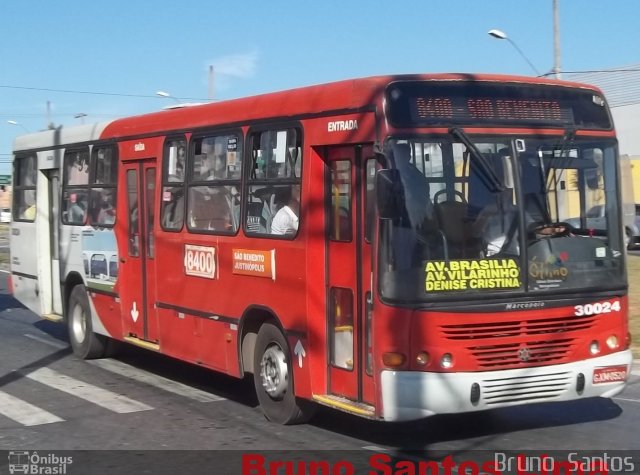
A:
(427, 103)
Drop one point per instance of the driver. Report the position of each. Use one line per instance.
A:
(497, 225)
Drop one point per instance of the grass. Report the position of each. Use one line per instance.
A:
(634, 303)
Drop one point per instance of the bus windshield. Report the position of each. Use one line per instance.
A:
(489, 215)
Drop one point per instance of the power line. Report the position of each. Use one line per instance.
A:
(96, 93)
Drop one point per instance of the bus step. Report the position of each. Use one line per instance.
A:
(142, 343)
(52, 317)
(344, 404)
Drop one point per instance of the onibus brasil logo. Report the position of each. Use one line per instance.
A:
(24, 461)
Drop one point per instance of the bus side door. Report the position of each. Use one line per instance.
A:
(137, 257)
(348, 196)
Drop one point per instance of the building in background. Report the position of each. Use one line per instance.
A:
(621, 87)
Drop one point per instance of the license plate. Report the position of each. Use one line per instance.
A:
(610, 374)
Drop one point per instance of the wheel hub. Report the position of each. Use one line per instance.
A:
(78, 324)
(274, 372)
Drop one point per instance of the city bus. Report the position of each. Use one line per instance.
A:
(393, 247)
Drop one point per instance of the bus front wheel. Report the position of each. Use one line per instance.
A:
(273, 379)
(85, 343)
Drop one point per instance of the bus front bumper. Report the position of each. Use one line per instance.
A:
(408, 395)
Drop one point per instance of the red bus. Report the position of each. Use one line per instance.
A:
(393, 247)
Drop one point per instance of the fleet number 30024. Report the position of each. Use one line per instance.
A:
(596, 308)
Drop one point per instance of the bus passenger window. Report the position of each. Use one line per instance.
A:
(273, 202)
(173, 194)
(104, 176)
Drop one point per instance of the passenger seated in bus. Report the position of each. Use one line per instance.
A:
(214, 167)
(256, 223)
(173, 214)
(106, 211)
(210, 210)
(285, 222)
(220, 215)
(76, 210)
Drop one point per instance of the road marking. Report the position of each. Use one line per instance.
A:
(23, 412)
(55, 344)
(635, 372)
(107, 399)
(626, 399)
(151, 379)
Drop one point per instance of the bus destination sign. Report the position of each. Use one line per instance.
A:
(491, 109)
(448, 103)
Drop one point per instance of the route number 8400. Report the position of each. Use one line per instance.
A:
(598, 307)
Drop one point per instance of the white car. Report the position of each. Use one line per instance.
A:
(5, 215)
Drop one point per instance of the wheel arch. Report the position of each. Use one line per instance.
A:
(252, 319)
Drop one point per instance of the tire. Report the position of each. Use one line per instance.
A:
(85, 343)
(273, 379)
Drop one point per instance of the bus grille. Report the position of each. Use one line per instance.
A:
(529, 342)
(517, 354)
(525, 388)
(475, 331)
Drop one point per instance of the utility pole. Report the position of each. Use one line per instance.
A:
(50, 124)
(556, 40)
(212, 84)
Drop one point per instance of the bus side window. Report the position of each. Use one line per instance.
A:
(173, 186)
(274, 183)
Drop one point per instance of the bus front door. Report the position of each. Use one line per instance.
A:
(137, 258)
(350, 172)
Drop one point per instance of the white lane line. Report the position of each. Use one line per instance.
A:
(626, 399)
(107, 399)
(151, 379)
(46, 341)
(23, 412)
(635, 372)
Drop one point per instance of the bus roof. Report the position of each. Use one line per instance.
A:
(52, 138)
(351, 94)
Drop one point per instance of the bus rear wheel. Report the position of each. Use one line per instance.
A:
(85, 343)
(273, 379)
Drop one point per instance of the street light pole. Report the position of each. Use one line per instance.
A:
(167, 95)
(80, 116)
(13, 122)
(556, 40)
(501, 35)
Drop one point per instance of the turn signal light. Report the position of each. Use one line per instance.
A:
(594, 347)
(392, 359)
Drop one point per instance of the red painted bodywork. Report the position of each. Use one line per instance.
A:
(298, 295)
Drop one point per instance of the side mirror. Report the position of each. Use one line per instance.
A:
(388, 193)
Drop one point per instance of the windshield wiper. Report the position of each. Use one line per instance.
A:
(495, 184)
(564, 145)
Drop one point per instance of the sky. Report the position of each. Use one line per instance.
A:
(107, 59)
